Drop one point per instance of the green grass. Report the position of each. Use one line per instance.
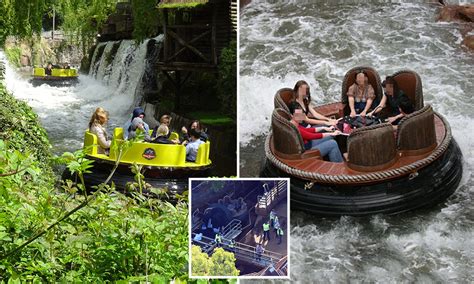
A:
(193, 4)
(211, 118)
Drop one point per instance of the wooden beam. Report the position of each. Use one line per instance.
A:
(213, 37)
(191, 41)
(173, 66)
(165, 32)
(192, 48)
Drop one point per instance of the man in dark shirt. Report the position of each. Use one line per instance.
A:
(48, 69)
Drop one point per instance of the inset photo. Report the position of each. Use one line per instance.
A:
(239, 228)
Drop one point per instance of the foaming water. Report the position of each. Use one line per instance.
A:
(65, 111)
(282, 42)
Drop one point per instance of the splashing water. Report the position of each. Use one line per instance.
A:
(282, 42)
(65, 111)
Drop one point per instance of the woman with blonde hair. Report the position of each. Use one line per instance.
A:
(97, 126)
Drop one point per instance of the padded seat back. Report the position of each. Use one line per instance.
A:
(349, 79)
(410, 83)
(202, 156)
(90, 143)
(372, 148)
(416, 131)
(283, 97)
(286, 137)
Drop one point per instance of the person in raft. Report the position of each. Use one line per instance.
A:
(162, 136)
(303, 98)
(391, 102)
(193, 146)
(137, 112)
(312, 137)
(97, 126)
(195, 124)
(48, 69)
(360, 94)
(138, 124)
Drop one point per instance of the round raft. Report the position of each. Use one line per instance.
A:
(387, 171)
(58, 77)
(164, 165)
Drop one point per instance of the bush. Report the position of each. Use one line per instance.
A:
(110, 237)
(227, 81)
(13, 55)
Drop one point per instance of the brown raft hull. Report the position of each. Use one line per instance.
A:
(431, 186)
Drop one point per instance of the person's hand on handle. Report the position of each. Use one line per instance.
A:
(353, 114)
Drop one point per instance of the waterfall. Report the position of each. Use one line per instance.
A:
(125, 66)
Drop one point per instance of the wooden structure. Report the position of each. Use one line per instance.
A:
(194, 37)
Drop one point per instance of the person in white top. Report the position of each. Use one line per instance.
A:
(97, 126)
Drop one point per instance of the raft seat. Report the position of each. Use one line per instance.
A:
(39, 72)
(202, 156)
(410, 83)
(372, 148)
(349, 79)
(283, 98)
(90, 143)
(416, 133)
(286, 139)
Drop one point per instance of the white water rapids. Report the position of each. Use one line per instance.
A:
(65, 111)
(282, 42)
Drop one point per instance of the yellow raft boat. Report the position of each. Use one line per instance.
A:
(59, 77)
(164, 165)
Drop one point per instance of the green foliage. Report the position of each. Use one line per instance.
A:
(6, 24)
(49, 233)
(227, 81)
(19, 125)
(183, 5)
(13, 55)
(221, 263)
(82, 19)
(211, 118)
(146, 18)
(22, 18)
(200, 262)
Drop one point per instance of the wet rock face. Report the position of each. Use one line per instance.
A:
(463, 14)
(468, 41)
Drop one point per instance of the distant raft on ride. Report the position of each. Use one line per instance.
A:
(418, 165)
(164, 165)
(59, 77)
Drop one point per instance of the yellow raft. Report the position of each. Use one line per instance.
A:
(58, 77)
(153, 155)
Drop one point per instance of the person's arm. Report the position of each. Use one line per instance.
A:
(350, 97)
(125, 129)
(319, 117)
(393, 118)
(370, 99)
(102, 139)
(310, 133)
(368, 104)
(381, 106)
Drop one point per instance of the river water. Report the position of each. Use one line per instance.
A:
(65, 111)
(285, 41)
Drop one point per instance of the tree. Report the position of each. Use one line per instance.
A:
(223, 263)
(200, 262)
